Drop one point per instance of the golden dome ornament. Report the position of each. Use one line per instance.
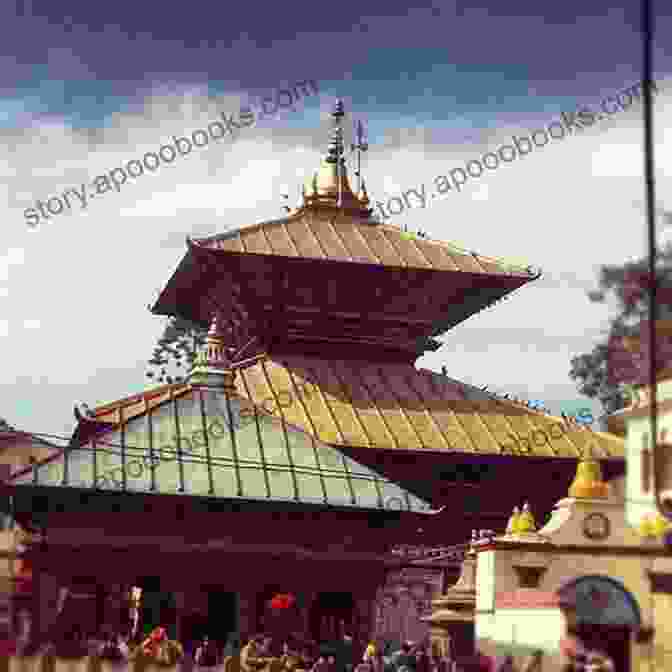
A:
(588, 483)
(526, 522)
(512, 525)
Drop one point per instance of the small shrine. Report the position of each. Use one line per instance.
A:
(577, 584)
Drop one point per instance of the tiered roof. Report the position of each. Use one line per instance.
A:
(330, 273)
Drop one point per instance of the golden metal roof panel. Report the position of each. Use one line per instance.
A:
(255, 241)
(356, 394)
(342, 236)
(342, 411)
(380, 245)
(392, 407)
(329, 240)
(304, 239)
(436, 255)
(464, 261)
(359, 250)
(280, 241)
(417, 414)
(404, 246)
(321, 421)
(391, 412)
(231, 243)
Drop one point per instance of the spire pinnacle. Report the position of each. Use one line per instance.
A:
(212, 367)
(329, 186)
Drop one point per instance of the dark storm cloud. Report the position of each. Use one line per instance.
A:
(128, 44)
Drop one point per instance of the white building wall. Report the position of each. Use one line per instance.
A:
(485, 582)
(530, 628)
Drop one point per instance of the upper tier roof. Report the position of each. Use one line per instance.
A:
(348, 237)
(329, 272)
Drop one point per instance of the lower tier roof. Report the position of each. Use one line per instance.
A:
(394, 406)
(206, 443)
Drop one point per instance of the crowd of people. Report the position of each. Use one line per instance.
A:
(295, 654)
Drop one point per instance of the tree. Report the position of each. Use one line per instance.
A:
(177, 348)
(627, 284)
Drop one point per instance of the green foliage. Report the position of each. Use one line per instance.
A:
(176, 349)
(632, 302)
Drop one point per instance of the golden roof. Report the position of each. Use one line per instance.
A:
(391, 406)
(335, 223)
(341, 235)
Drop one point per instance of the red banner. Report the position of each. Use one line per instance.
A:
(283, 601)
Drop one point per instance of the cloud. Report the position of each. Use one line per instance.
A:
(81, 282)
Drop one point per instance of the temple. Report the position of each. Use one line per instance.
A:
(304, 446)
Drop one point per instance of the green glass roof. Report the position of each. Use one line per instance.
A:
(205, 443)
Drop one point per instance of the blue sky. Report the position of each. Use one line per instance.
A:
(87, 86)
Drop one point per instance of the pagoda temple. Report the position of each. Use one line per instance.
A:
(304, 432)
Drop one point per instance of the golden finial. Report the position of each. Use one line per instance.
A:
(330, 185)
(526, 521)
(588, 483)
(212, 366)
(512, 525)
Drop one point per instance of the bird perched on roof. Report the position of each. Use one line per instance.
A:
(83, 412)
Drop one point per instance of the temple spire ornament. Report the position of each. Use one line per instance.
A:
(360, 146)
(212, 367)
(329, 186)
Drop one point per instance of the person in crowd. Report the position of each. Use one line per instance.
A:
(484, 663)
(369, 653)
(307, 655)
(422, 662)
(345, 652)
(251, 655)
(320, 664)
(290, 658)
(507, 665)
(206, 654)
(597, 661)
(113, 648)
(266, 646)
(533, 664)
(378, 662)
(404, 660)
